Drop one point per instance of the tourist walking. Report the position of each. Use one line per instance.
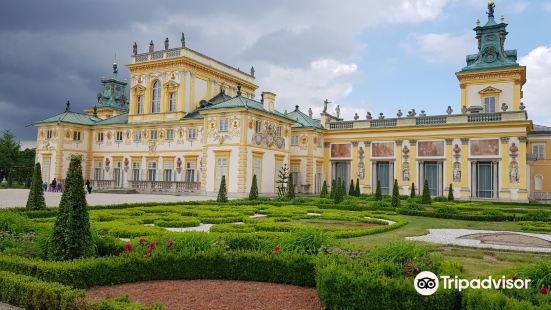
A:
(88, 186)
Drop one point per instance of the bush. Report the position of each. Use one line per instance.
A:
(357, 191)
(426, 194)
(222, 191)
(253, 194)
(395, 195)
(309, 241)
(333, 189)
(339, 192)
(36, 200)
(412, 193)
(290, 187)
(447, 210)
(123, 303)
(324, 193)
(378, 194)
(450, 193)
(351, 189)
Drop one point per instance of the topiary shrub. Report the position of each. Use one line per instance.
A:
(395, 203)
(253, 194)
(426, 199)
(71, 236)
(351, 191)
(333, 189)
(222, 191)
(291, 187)
(450, 194)
(324, 192)
(357, 190)
(339, 191)
(412, 193)
(378, 194)
(36, 200)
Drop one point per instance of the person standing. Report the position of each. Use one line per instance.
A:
(54, 185)
(88, 186)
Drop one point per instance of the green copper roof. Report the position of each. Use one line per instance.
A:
(242, 102)
(303, 120)
(71, 117)
(115, 120)
(491, 46)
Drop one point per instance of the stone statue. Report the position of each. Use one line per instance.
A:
(166, 43)
(504, 107)
(405, 171)
(135, 49)
(100, 98)
(413, 113)
(68, 106)
(449, 110)
(183, 40)
(491, 8)
(464, 109)
(513, 172)
(310, 113)
(399, 114)
(522, 107)
(423, 113)
(381, 115)
(456, 172)
(151, 46)
(338, 111)
(252, 71)
(325, 103)
(356, 116)
(368, 116)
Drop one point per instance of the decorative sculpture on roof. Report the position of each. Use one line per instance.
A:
(399, 114)
(522, 107)
(464, 109)
(166, 43)
(491, 8)
(68, 106)
(356, 116)
(504, 107)
(368, 115)
(252, 71)
(310, 113)
(423, 113)
(449, 110)
(325, 103)
(151, 46)
(381, 115)
(338, 111)
(183, 40)
(135, 49)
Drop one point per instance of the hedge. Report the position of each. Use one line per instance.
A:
(288, 268)
(32, 293)
(495, 300)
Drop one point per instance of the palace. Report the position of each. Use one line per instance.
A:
(189, 120)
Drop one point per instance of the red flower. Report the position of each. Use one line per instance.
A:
(142, 241)
(148, 251)
(169, 243)
(128, 247)
(544, 290)
(152, 245)
(514, 277)
(277, 248)
(408, 264)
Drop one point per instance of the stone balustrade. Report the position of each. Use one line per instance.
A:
(165, 186)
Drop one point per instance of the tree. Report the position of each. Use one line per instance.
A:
(426, 193)
(282, 175)
(412, 194)
(9, 155)
(222, 191)
(36, 200)
(357, 190)
(71, 236)
(378, 194)
(333, 189)
(339, 191)
(351, 191)
(324, 192)
(395, 195)
(253, 194)
(450, 194)
(290, 187)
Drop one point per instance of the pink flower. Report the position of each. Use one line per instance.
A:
(169, 243)
(142, 241)
(128, 247)
(544, 290)
(277, 248)
(148, 251)
(152, 245)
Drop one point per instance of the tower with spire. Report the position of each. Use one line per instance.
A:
(111, 100)
(492, 80)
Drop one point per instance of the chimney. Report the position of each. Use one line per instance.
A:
(269, 100)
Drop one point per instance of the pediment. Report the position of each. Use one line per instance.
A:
(138, 89)
(489, 91)
(171, 85)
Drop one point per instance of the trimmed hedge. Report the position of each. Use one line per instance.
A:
(32, 293)
(494, 300)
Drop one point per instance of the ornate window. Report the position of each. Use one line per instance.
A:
(76, 135)
(170, 134)
(136, 171)
(490, 98)
(221, 170)
(99, 137)
(539, 150)
(190, 171)
(156, 98)
(98, 170)
(172, 102)
(192, 133)
(49, 134)
(223, 126)
(153, 135)
(257, 170)
(167, 173)
(489, 104)
(151, 170)
(140, 105)
(258, 127)
(294, 140)
(137, 136)
(119, 136)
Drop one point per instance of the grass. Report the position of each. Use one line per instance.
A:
(476, 262)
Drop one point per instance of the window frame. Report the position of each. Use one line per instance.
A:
(486, 110)
(170, 134)
(156, 97)
(190, 136)
(153, 134)
(139, 104)
(226, 126)
(76, 136)
(536, 152)
(293, 142)
(117, 138)
(172, 101)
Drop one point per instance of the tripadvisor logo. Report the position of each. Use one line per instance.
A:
(426, 283)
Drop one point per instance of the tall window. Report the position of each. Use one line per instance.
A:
(49, 134)
(295, 169)
(119, 136)
(170, 134)
(167, 172)
(137, 136)
(151, 170)
(258, 127)
(190, 171)
(98, 170)
(278, 131)
(46, 170)
(156, 98)
(490, 104)
(223, 124)
(140, 105)
(99, 137)
(221, 170)
(539, 150)
(136, 171)
(153, 135)
(191, 133)
(76, 135)
(294, 140)
(172, 102)
(257, 170)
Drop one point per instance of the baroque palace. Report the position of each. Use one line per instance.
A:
(189, 120)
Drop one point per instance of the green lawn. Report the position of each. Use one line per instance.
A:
(475, 261)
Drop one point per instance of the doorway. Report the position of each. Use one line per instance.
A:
(431, 171)
(341, 169)
(484, 179)
(383, 175)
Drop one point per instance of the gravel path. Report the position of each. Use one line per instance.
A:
(214, 295)
(461, 237)
(11, 198)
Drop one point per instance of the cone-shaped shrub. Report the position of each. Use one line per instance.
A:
(324, 193)
(450, 194)
(333, 189)
(253, 194)
(290, 187)
(351, 189)
(412, 194)
(71, 236)
(378, 195)
(395, 195)
(222, 191)
(339, 191)
(426, 193)
(357, 190)
(36, 200)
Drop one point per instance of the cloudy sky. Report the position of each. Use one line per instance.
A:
(365, 55)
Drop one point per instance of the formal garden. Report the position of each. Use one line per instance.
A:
(350, 249)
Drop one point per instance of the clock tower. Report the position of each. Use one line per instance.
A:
(492, 80)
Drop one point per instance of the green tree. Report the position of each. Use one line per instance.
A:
(351, 191)
(357, 190)
(378, 194)
(222, 191)
(450, 194)
(290, 187)
(426, 193)
(333, 189)
(9, 155)
(412, 193)
(253, 194)
(339, 191)
(71, 236)
(395, 195)
(324, 192)
(36, 200)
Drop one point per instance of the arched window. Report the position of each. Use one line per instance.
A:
(156, 98)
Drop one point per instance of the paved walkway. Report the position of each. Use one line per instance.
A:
(12, 198)
(490, 239)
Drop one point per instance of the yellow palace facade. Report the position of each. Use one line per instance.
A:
(184, 120)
